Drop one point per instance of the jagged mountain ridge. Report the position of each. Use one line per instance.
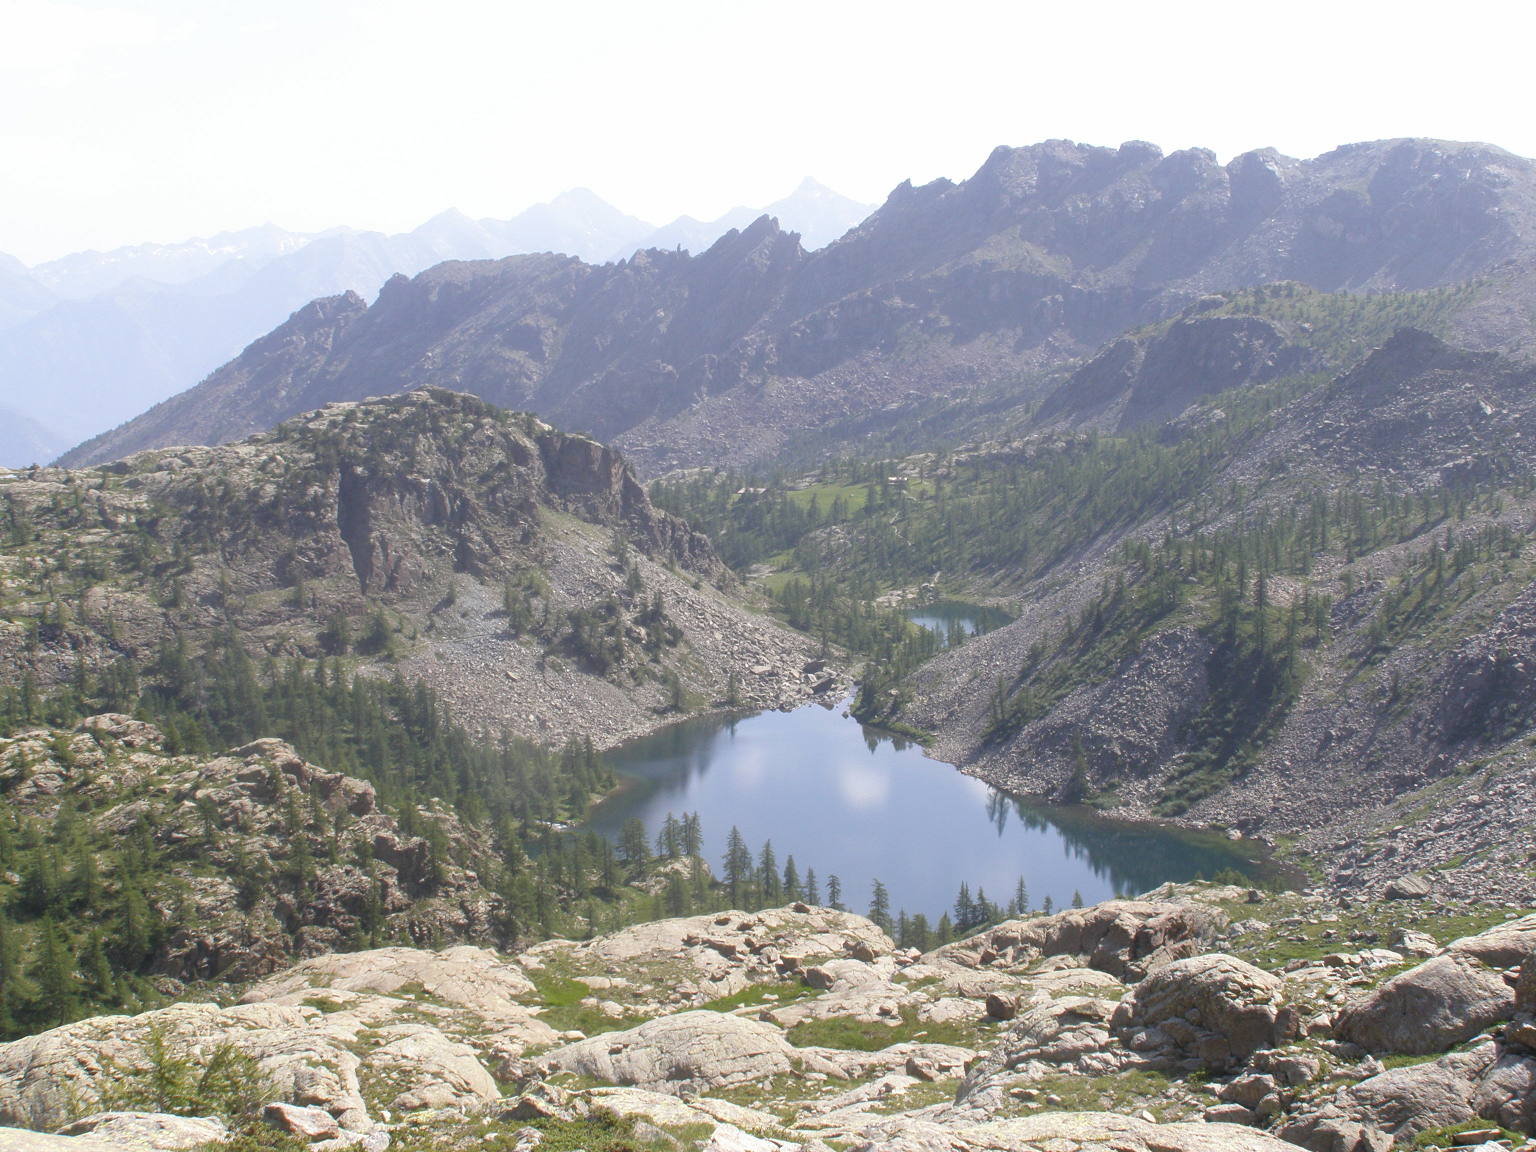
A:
(124, 329)
(151, 319)
(815, 211)
(521, 572)
(946, 294)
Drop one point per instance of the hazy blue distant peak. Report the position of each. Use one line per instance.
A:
(81, 275)
(815, 211)
(24, 441)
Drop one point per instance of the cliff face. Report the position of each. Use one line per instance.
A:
(950, 294)
(522, 572)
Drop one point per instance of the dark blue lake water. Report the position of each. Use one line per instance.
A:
(955, 620)
(846, 800)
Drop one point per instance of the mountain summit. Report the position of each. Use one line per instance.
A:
(949, 297)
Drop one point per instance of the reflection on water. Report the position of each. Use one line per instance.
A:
(846, 800)
(952, 621)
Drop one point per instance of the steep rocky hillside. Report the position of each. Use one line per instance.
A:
(951, 299)
(1308, 624)
(1190, 1020)
(520, 572)
(155, 869)
(1297, 610)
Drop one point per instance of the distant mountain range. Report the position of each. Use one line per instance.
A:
(956, 307)
(94, 338)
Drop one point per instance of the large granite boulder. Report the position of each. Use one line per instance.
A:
(1502, 946)
(147, 1131)
(48, 1078)
(694, 959)
(1215, 1009)
(1066, 1132)
(1429, 1008)
(688, 1052)
(1126, 938)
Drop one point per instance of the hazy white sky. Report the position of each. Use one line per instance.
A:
(130, 120)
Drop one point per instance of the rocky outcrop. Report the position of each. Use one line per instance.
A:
(686, 1052)
(1071, 1132)
(356, 1047)
(1150, 379)
(47, 1079)
(1505, 945)
(1487, 1083)
(1044, 254)
(475, 979)
(146, 1131)
(694, 959)
(1430, 1008)
(1126, 938)
(239, 823)
(404, 1028)
(521, 572)
(1215, 1010)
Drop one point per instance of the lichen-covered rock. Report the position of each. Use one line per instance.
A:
(1395, 1105)
(663, 1108)
(21, 1140)
(425, 1069)
(466, 976)
(1214, 1008)
(1052, 1034)
(694, 959)
(1066, 1132)
(147, 1131)
(691, 1051)
(1126, 938)
(1429, 1008)
(1525, 986)
(44, 1079)
(1502, 946)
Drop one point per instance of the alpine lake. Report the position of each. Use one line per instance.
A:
(861, 804)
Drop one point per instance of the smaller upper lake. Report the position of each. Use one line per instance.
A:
(952, 621)
(852, 802)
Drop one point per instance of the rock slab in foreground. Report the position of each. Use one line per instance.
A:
(691, 1051)
(1072, 1132)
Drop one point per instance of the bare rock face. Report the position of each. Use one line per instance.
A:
(1214, 1008)
(690, 1051)
(320, 1037)
(149, 1131)
(1140, 380)
(305, 1123)
(1525, 986)
(1049, 1035)
(1070, 1132)
(46, 1078)
(1430, 1008)
(1397, 1105)
(1126, 938)
(1502, 946)
(724, 952)
(21, 1140)
(1045, 253)
(466, 976)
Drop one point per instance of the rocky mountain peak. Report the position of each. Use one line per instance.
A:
(1043, 256)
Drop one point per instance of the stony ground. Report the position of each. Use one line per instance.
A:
(1193, 1019)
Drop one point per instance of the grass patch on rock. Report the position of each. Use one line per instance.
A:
(853, 1035)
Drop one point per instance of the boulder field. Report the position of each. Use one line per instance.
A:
(1205, 1019)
